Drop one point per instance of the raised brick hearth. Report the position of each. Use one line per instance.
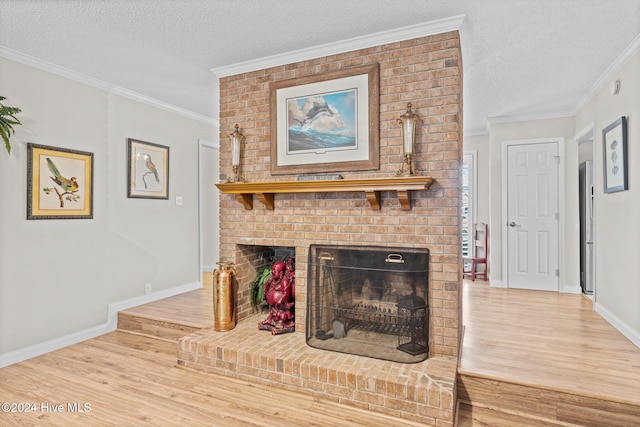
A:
(422, 392)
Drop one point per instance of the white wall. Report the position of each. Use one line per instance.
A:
(535, 129)
(209, 205)
(617, 214)
(58, 277)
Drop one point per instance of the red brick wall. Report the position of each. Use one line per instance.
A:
(424, 71)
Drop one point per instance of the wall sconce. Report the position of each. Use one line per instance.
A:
(236, 138)
(408, 121)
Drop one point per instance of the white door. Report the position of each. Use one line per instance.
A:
(532, 216)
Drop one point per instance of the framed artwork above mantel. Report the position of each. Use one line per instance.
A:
(326, 123)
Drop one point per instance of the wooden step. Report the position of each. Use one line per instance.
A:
(489, 401)
(154, 327)
(479, 416)
(170, 318)
(543, 358)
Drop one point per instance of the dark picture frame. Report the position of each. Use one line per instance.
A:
(59, 183)
(615, 163)
(326, 122)
(148, 170)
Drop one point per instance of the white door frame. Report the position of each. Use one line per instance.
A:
(473, 185)
(587, 134)
(561, 184)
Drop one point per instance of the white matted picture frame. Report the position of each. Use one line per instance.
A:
(326, 123)
(614, 141)
(148, 170)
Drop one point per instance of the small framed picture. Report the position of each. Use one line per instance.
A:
(614, 140)
(59, 183)
(148, 171)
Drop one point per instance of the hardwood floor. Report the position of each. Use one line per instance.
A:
(545, 354)
(129, 379)
(132, 379)
(548, 358)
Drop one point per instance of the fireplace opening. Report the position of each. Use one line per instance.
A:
(369, 300)
(249, 259)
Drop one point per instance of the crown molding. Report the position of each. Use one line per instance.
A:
(475, 132)
(116, 90)
(547, 115)
(49, 67)
(384, 37)
(609, 74)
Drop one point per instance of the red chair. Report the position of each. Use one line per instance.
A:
(480, 253)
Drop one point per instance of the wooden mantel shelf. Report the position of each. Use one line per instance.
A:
(265, 191)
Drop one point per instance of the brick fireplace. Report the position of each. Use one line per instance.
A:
(424, 71)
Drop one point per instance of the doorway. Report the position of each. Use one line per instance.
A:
(532, 187)
(586, 209)
(469, 200)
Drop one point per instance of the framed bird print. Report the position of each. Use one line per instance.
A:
(59, 183)
(148, 174)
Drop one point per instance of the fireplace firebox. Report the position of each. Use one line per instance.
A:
(369, 300)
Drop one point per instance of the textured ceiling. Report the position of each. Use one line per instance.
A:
(524, 57)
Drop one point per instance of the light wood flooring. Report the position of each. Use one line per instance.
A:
(514, 342)
(545, 355)
(129, 379)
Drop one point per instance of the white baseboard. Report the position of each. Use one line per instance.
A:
(622, 327)
(566, 289)
(496, 283)
(25, 353)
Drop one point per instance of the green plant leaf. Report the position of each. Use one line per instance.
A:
(7, 145)
(7, 121)
(257, 286)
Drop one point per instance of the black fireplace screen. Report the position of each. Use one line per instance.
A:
(369, 300)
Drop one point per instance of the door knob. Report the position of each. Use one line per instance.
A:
(513, 224)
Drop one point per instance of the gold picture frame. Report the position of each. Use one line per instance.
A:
(326, 122)
(59, 183)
